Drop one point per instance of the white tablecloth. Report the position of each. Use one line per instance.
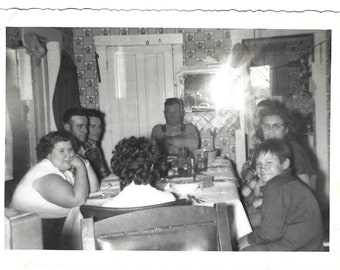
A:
(224, 189)
(227, 192)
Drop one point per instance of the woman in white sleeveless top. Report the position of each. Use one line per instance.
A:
(57, 185)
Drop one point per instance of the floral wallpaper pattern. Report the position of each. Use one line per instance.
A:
(198, 44)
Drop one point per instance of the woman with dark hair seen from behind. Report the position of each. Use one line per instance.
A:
(133, 162)
(54, 188)
(276, 123)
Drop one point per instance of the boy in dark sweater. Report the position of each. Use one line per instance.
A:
(290, 214)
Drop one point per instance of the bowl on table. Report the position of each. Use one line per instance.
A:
(184, 185)
(187, 185)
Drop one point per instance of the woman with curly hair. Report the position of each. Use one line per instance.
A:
(55, 187)
(133, 162)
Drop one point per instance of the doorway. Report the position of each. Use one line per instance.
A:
(137, 74)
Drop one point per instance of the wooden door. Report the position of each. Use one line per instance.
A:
(136, 79)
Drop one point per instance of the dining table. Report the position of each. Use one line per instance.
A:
(222, 186)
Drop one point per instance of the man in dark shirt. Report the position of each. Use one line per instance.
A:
(75, 121)
(290, 214)
(93, 152)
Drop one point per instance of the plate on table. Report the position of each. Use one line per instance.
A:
(219, 175)
(182, 180)
(184, 185)
(111, 178)
(109, 182)
(102, 195)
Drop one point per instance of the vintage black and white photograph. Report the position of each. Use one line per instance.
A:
(213, 140)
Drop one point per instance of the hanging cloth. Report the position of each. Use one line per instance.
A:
(66, 93)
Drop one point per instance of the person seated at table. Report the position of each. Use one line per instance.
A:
(54, 187)
(275, 122)
(263, 104)
(174, 134)
(133, 162)
(248, 176)
(290, 214)
(93, 151)
(76, 123)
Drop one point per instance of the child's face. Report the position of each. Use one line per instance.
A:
(268, 166)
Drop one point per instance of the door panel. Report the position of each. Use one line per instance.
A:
(138, 79)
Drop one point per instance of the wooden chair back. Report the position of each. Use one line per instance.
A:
(100, 212)
(188, 227)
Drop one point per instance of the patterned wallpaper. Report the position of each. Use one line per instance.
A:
(217, 130)
(300, 97)
(198, 44)
(289, 58)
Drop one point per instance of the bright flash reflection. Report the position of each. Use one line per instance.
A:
(228, 87)
(260, 77)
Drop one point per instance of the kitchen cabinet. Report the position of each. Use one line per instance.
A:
(137, 73)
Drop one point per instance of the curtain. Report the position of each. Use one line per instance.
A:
(66, 94)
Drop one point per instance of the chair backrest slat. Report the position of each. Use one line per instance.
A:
(100, 212)
(189, 227)
(157, 217)
(223, 231)
(87, 234)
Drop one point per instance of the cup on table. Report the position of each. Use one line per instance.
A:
(163, 167)
(183, 154)
(200, 160)
(211, 156)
